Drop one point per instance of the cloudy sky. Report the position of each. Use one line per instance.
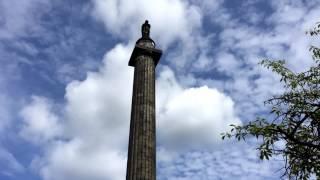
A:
(65, 86)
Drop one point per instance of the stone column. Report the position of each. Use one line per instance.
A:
(141, 164)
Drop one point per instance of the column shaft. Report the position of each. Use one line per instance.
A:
(142, 141)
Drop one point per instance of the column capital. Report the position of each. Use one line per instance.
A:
(145, 46)
(142, 50)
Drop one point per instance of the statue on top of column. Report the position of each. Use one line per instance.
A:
(145, 30)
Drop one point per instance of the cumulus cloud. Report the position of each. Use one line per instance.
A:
(100, 103)
(191, 111)
(170, 20)
(97, 109)
(97, 120)
(78, 159)
(95, 125)
(40, 123)
(191, 117)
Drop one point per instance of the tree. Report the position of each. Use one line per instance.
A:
(295, 119)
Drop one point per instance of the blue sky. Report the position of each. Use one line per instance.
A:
(65, 87)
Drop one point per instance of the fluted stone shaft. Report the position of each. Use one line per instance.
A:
(141, 163)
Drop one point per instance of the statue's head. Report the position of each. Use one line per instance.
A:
(145, 30)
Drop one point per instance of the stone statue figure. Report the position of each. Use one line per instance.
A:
(145, 30)
(145, 40)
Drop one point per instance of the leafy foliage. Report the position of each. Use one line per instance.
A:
(296, 122)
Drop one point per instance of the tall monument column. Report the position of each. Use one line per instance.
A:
(141, 164)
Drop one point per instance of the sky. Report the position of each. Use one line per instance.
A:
(65, 84)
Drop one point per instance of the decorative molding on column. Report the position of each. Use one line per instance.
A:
(152, 52)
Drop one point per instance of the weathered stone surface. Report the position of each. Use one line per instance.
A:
(142, 145)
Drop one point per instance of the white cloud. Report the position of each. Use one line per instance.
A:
(40, 123)
(225, 62)
(19, 17)
(191, 117)
(95, 125)
(171, 20)
(81, 160)
(100, 103)
(281, 35)
(228, 161)
(97, 120)
(97, 109)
